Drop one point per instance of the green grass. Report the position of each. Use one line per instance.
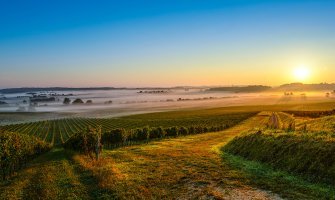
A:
(280, 182)
(308, 155)
(53, 175)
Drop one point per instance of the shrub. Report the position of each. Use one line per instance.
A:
(119, 136)
(183, 131)
(191, 130)
(198, 130)
(87, 142)
(143, 134)
(154, 133)
(172, 132)
(161, 132)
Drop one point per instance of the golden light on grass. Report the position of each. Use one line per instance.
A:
(301, 73)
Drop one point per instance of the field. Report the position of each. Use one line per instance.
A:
(184, 167)
(58, 131)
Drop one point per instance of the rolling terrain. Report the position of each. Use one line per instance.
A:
(184, 167)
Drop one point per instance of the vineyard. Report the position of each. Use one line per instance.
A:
(16, 149)
(60, 130)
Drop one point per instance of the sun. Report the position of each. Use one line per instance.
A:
(301, 73)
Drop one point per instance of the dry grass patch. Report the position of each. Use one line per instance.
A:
(178, 168)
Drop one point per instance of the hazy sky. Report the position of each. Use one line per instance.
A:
(165, 43)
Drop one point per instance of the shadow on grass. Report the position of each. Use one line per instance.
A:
(89, 181)
(54, 155)
(280, 182)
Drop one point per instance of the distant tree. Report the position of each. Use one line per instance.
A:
(66, 101)
(89, 102)
(77, 101)
(109, 102)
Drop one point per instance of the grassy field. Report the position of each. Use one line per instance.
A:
(186, 167)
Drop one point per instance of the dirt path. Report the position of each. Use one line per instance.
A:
(181, 168)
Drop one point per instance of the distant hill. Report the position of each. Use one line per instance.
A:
(307, 87)
(41, 89)
(49, 89)
(238, 89)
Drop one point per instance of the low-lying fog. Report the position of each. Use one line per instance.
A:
(110, 103)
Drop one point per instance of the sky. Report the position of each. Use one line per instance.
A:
(165, 43)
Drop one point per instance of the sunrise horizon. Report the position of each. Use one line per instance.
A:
(167, 99)
(165, 44)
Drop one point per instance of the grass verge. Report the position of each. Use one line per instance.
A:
(286, 185)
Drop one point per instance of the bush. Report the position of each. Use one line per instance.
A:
(87, 142)
(172, 132)
(119, 136)
(183, 131)
(143, 134)
(191, 130)
(198, 130)
(161, 132)
(154, 133)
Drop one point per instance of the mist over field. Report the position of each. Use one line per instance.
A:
(173, 100)
(120, 102)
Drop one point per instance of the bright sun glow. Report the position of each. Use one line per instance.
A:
(301, 73)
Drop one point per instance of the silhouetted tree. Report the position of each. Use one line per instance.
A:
(66, 101)
(77, 101)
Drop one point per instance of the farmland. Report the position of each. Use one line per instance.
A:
(188, 166)
(58, 131)
(167, 100)
(305, 150)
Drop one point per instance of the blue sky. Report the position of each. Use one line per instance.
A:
(164, 43)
